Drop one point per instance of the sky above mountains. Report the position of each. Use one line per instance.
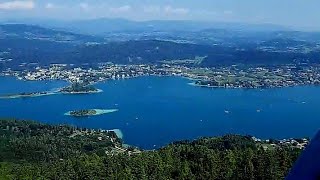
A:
(294, 13)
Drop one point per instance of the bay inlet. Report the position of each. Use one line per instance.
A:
(154, 111)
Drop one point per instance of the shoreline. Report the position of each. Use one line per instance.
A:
(46, 93)
(118, 132)
(250, 88)
(18, 96)
(87, 92)
(128, 78)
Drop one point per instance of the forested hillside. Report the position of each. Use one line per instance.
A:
(30, 150)
(32, 44)
(13, 52)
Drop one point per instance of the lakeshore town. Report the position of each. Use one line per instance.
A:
(293, 143)
(218, 77)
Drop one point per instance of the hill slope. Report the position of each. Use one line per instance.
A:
(37, 151)
(31, 32)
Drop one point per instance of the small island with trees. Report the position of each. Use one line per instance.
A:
(79, 88)
(75, 88)
(89, 112)
(85, 112)
(26, 95)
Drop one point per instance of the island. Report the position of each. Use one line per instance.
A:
(79, 88)
(26, 95)
(76, 88)
(204, 83)
(89, 112)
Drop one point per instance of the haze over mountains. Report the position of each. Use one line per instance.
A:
(24, 31)
(129, 42)
(107, 25)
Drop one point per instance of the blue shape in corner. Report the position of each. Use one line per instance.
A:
(307, 166)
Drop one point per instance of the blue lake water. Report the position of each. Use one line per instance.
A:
(154, 111)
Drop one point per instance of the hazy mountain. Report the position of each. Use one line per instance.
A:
(23, 31)
(141, 52)
(21, 43)
(103, 26)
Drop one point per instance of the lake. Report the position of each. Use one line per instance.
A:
(154, 111)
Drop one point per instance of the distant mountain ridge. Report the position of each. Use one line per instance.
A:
(107, 25)
(24, 31)
(20, 43)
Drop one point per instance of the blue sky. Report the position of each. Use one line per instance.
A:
(295, 13)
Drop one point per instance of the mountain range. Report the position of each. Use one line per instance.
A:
(25, 43)
(107, 25)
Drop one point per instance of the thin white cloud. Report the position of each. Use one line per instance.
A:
(50, 6)
(168, 10)
(53, 6)
(121, 9)
(17, 5)
(227, 12)
(84, 6)
(151, 9)
(177, 11)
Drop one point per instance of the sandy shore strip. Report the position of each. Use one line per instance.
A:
(118, 133)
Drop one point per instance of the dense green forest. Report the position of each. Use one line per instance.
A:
(29, 150)
(78, 87)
